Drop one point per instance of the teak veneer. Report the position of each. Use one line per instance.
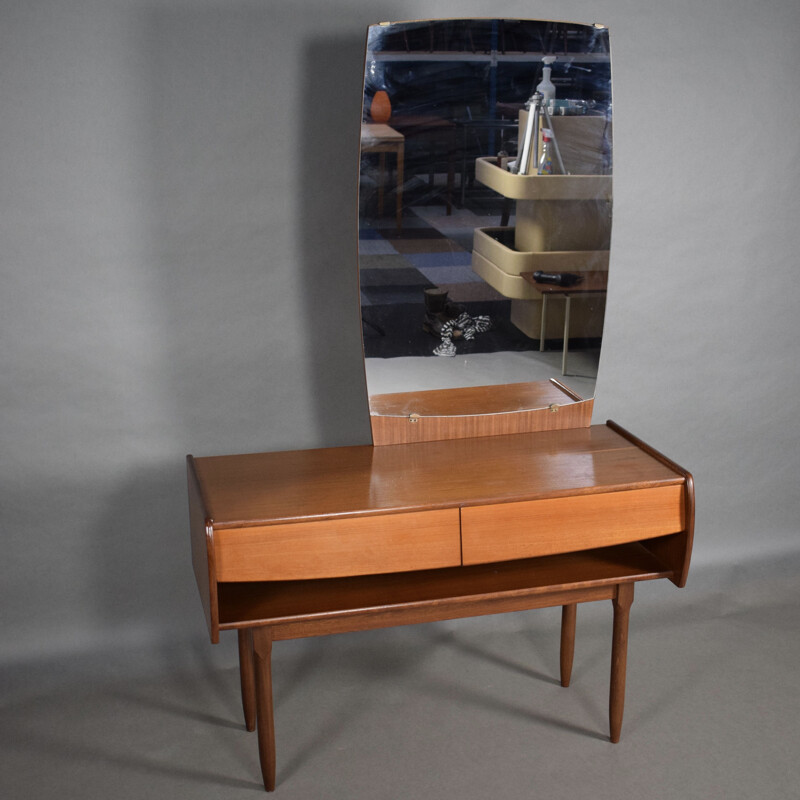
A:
(314, 542)
(466, 412)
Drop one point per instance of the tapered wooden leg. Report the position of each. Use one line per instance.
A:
(382, 170)
(247, 676)
(400, 178)
(619, 657)
(262, 648)
(568, 614)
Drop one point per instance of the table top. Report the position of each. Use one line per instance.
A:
(269, 488)
(379, 132)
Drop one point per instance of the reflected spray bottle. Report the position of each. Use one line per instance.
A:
(546, 87)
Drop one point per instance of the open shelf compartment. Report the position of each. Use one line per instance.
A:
(339, 605)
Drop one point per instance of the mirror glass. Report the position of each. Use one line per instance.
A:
(484, 204)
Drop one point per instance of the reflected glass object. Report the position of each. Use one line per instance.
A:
(475, 273)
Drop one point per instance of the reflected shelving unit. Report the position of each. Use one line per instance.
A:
(562, 224)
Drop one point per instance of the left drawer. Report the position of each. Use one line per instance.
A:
(334, 548)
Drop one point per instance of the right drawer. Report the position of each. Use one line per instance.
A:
(532, 528)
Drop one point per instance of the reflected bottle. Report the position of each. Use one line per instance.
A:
(546, 88)
(546, 157)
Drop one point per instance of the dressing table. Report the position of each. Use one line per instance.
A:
(549, 510)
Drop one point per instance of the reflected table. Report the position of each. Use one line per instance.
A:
(430, 146)
(592, 283)
(382, 139)
(490, 130)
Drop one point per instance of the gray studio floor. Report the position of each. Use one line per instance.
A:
(464, 710)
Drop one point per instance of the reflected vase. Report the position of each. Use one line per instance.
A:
(381, 108)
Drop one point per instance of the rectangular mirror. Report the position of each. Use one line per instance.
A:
(484, 217)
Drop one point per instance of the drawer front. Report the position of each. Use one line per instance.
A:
(565, 524)
(339, 547)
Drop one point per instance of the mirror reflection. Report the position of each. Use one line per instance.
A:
(484, 204)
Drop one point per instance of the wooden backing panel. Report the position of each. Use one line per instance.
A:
(202, 536)
(333, 548)
(270, 603)
(567, 524)
(472, 400)
(674, 551)
(455, 608)
(405, 430)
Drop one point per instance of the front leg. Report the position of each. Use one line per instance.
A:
(262, 648)
(247, 677)
(619, 657)
(568, 614)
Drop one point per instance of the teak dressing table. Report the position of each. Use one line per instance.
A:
(312, 542)
(470, 501)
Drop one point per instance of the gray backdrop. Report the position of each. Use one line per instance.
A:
(179, 227)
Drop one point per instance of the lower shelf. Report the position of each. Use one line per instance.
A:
(337, 605)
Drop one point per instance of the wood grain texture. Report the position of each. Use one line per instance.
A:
(472, 400)
(310, 608)
(404, 430)
(473, 411)
(247, 677)
(202, 541)
(302, 485)
(339, 547)
(567, 653)
(450, 608)
(675, 551)
(500, 532)
(543, 519)
(619, 658)
(265, 715)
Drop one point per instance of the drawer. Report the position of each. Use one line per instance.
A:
(565, 524)
(338, 547)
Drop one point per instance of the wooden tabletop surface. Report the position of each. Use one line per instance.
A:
(266, 488)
